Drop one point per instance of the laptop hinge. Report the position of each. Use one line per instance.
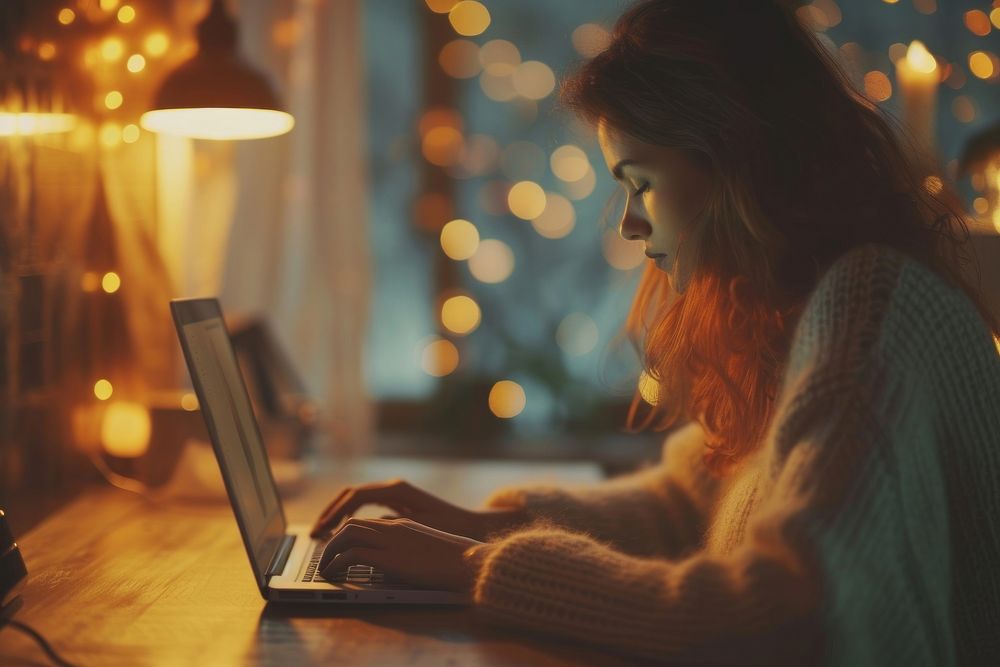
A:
(277, 565)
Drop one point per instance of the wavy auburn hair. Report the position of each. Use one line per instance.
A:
(804, 168)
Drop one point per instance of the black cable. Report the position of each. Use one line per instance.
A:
(31, 632)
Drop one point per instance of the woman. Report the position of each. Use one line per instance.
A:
(834, 495)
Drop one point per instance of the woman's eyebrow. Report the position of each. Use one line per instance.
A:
(616, 171)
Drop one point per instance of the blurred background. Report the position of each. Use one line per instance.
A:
(413, 246)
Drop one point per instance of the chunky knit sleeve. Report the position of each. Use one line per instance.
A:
(656, 510)
(845, 559)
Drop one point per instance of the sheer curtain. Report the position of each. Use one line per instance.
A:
(298, 249)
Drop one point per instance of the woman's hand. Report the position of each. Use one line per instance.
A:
(405, 550)
(413, 503)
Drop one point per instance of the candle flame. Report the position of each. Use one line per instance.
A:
(919, 58)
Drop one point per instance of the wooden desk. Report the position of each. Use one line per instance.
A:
(115, 579)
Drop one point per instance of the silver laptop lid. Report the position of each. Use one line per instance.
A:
(228, 413)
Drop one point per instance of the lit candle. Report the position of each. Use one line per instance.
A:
(917, 75)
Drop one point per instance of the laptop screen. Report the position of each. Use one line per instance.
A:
(229, 416)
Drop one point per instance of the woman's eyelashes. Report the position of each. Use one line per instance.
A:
(642, 189)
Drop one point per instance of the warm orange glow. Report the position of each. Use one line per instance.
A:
(90, 282)
(460, 315)
(66, 16)
(46, 51)
(136, 63)
(125, 429)
(189, 402)
(218, 123)
(441, 6)
(126, 14)
(469, 18)
(493, 261)
(981, 64)
(919, 58)
(980, 205)
(109, 5)
(977, 22)
(113, 100)
(933, 184)
(439, 358)
(499, 52)
(526, 200)
(995, 18)
(15, 124)
(459, 239)
(112, 49)
(103, 390)
(111, 282)
(877, 86)
(156, 44)
(507, 399)
(442, 145)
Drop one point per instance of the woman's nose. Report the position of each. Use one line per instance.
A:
(633, 227)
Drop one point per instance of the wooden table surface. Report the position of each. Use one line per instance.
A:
(117, 579)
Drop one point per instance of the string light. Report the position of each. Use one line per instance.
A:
(113, 99)
(66, 16)
(136, 63)
(111, 282)
(103, 390)
(126, 14)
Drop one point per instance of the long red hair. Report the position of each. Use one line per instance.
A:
(805, 168)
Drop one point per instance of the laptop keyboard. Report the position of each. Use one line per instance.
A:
(357, 574)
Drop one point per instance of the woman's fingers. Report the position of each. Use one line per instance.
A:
(355, 533)
(393, 494)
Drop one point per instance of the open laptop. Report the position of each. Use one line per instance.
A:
(284, 558)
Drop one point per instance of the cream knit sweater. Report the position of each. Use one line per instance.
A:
(865, 531)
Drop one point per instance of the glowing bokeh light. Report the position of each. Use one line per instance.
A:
(125, 429)
(460, 314)
(66, 16)
(582, 188)
(590, 39)
(982, 65)
(189, 402)
(126, 14)
(136, 63)
(558, 217)
(577, 334)
(459, 239)
(110, 134)
(526, 200)
(569, 163)
(442, 145)
(469, 18)
(507, 399)
(112, 49)
(493, 261)
(933, 184)
(111, 282)
(459, 58)
(113, 99)
(130, 133)
(19, 124)
(533, 79)
(46, 51)
(977, 22)
(103, 389)
(621, 254)
(218, 123)
(439, 358)
(480, 154)
(877, 86)
(156, 44)
(497, 83)
(499, 52)
(441, 6)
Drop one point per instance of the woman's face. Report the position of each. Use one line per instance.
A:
(667, 189)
